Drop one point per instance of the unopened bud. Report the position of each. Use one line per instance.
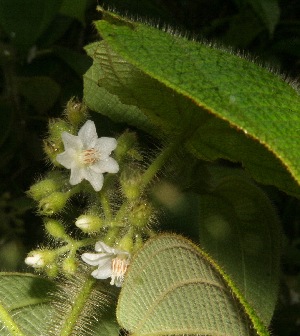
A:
(126, 243)
(53, 203)
(76, 112)
(43, 188)
(141, 214)
(111, 236)
(89, 223)
(55, 228)
(51, 270)
(69, 265)
(57, 127)
(126, 144)
(39, 259)
(130, 180)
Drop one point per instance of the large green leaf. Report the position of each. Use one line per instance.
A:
(238, 215)
(225, 106)
(174, 288)
(24, 304)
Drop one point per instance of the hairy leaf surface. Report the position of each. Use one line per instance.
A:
(174, 288)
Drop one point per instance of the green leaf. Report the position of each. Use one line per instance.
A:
(174, 288)
(268, 11)
(75, 9)
(239, 228)
(225, 106)
(24, 21)
(41, 92)
(24, 304)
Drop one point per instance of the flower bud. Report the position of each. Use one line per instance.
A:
(69, 265)
(89, 223)
(76, 112)
(126, 143)
(51, 270)
(53, 203)
(138, 242)
(43, 188)
(57, 127)
(141, 214)
(126, 243)
(39, 258)
(111, 236)
(130, 180)
(55, 228)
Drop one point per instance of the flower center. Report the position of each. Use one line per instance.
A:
(89, 156)
(119, 268)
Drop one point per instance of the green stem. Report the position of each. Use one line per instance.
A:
(79, 303)
(157, 164)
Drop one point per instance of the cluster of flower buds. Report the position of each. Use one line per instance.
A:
(84, 164)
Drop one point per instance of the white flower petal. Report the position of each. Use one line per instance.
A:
(66, 158)
(102, 247)
(71, 141)
(95, 179)
(96, 259)
(88, 134)
(102, 273)
(105, 146)
(77, 174)
(108, 165)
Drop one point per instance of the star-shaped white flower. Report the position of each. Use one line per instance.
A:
(88, 156)
(112, 263)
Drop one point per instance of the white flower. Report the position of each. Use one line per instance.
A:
(88, 156)
(35, 260)
(112, 263)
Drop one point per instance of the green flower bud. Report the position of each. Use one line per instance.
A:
(55, 228)
(89, 223)
(40, 258)
(126, 143)
(52, 148)
(130, 180)
(51, 270)
(141, 214)
(111, 236)
(53, 203)
(126, 243)
(57, 127)
(76, 112)
(138, 242)
(45, 187)
(69, 265)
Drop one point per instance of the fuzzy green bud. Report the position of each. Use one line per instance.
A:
(130, 180)
(141, 214)
(40, 258)
(138, 242)
(126, 243)
(51, 270)
(76, 112)
(89, 223)
(111, 236)
(57, 127)
(69, 265)
(53, 203)
(53, 145)
(126, 144)
(44, 187)
(55, 228)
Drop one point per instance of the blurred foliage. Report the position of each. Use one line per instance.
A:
(41, 66)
